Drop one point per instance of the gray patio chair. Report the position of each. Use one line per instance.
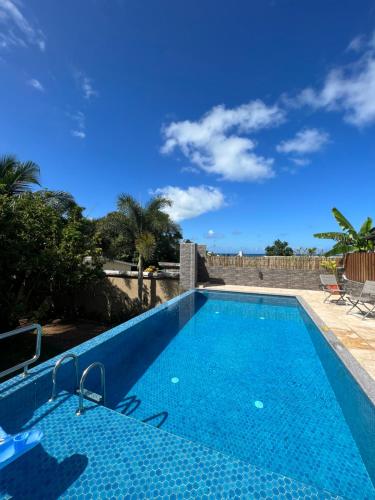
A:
(331, 288)
(365, 302)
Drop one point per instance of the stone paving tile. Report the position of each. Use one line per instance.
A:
(351, 340)
(368, 354)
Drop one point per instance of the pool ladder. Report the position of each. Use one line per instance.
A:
(80, 385)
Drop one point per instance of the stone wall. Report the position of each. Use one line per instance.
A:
(274, 278)
(196, 268)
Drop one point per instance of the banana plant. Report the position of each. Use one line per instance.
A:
(348, 240)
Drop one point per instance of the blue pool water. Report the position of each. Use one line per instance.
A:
(250, 399)
(252, 377)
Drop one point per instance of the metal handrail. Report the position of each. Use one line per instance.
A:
(24, 364)
(81, 408)
(55, 369)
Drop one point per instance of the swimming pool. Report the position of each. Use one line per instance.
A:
(249, 376)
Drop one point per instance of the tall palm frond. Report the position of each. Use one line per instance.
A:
(17, 177)
(61, 201)
(133, 210)
(156, 220)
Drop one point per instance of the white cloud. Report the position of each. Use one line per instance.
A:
(18, 31)
(86, 85)
(191, 202)
(213, 235)
(309, 140)
(300, 162)
(80, 125)
(78, 133)
(349, 89)
(190, 170)
(217, 145)
(88, 89)
(36, 84)
(357, 44)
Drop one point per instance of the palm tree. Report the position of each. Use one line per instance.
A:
(61, 201)
(144, 223)
(17, 177)
(348, 240)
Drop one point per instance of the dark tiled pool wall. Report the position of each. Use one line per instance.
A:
(20, 397)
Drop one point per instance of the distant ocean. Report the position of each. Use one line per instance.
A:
(244, 255)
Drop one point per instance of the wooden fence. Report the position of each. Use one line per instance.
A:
(295, 262)
(360, 266)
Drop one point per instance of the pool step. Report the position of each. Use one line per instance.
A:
(92, 396)
(81, 391)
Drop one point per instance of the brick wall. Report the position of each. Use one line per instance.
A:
(275, 278)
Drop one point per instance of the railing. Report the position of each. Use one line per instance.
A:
(56, 368)
(25, 364)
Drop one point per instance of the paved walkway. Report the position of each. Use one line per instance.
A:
(358, 336)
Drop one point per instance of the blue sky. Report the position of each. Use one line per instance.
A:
(255, 117)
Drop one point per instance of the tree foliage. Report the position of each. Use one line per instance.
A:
(146, 225)
(49, 251)
(348, 240)
(17, 177)
(144, 234)
(43, 258)
(279, 248)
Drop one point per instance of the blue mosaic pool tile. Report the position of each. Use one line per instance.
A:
(103, 454)
(224, 360)
(106, 455)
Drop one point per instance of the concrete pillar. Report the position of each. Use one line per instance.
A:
(188, 266)
(203, 275)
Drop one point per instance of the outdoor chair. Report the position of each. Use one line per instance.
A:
(365, 302)
(331, 288)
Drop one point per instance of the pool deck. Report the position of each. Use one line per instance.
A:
(357, 335)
